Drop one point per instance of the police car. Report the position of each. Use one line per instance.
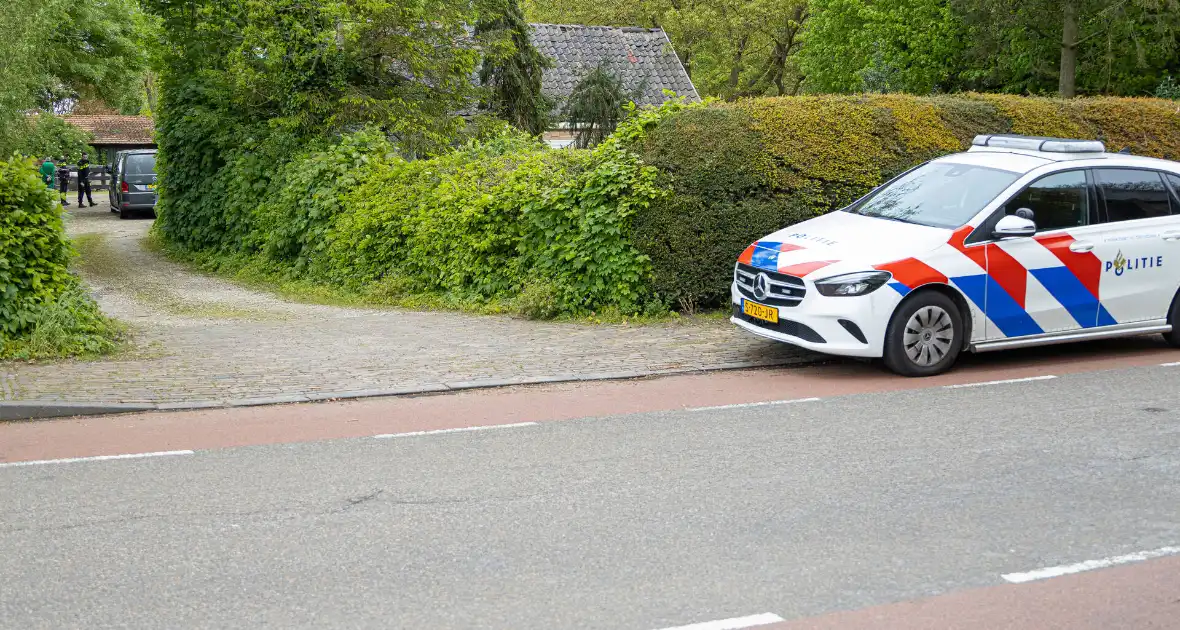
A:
(1020, 241)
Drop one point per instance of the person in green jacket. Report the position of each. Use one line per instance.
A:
(47, 172)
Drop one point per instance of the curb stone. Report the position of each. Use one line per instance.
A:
(36, 411)
(33, 410)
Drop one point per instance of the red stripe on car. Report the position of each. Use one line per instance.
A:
(1086, 267)
(913, 273)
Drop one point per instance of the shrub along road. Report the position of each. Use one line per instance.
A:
(203, 340)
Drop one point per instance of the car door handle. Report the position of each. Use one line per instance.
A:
(1171, 236)
(1080, 247)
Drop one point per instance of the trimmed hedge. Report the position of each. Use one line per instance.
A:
(741, 170)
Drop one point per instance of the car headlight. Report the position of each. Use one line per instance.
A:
(853, 284)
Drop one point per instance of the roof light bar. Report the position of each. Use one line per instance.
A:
(1047, 145)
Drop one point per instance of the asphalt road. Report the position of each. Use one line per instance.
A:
(639, 521)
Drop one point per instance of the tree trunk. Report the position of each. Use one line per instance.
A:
(1067, 82)
(735, 71)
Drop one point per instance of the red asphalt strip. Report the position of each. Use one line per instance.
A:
(223, 428)
(1139, 596)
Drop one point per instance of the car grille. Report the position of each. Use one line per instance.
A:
(784, 290)
(784, 326)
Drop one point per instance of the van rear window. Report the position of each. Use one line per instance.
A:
(142, 164)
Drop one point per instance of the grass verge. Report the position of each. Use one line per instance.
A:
(72, 326)
(256, 275)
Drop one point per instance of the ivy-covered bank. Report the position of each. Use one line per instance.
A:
(649, 221)
(45, 313)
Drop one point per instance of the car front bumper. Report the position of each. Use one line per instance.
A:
(827, 324)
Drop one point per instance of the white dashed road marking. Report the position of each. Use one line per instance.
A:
(754, 404)
(1170, 364)
(1003, 382)
(735, 623)
(459, 430)
(97, 458)
(1089, 565)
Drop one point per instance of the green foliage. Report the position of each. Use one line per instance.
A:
(44, 311)
(487, 220)
(69, 326)
(735, 48)
(249, 86)
(512, 70)
(1168, 88)
(914, 46)
(290, 224)
(48, 135)
(56, 51)
(34, 253)
(595, 106)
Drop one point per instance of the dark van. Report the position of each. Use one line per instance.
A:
(133, 182)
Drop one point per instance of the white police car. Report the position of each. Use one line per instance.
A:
(1019, 241)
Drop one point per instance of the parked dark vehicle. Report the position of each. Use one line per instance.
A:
(133, 182)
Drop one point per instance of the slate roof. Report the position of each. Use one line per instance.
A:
(641, 57)
(116, 130)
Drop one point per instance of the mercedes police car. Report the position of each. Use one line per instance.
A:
(1019, 241)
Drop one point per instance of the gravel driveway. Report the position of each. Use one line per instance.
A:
(202, 339)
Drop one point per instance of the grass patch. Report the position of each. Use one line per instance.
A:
(532, 303)
(72, 326)
(98, 259)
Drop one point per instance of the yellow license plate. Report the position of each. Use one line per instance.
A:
(758, 311)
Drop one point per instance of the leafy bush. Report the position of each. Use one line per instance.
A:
(484, 221)
(44, 311)
(34, 252)
(71, 325)
(46, 135)
(739, 171)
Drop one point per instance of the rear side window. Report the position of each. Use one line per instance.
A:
(1175, 181)
(1132, 194)
(1058, 201)
(142, 164)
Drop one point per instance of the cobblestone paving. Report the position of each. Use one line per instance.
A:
(201, 339)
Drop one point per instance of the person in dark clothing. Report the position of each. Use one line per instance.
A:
(63, 180)
(84, 180)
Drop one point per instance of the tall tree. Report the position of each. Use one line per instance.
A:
(512, 69)
(1119, 46)
(595, 107)
(913, 46)
(55, 52)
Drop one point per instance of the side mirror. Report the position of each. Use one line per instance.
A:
(1013, 226)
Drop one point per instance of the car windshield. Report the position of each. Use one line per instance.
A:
(142, 164)
(937, 194)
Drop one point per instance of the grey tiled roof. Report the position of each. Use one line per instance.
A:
(641, 57)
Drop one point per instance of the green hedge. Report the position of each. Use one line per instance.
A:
(652, 219)
(741, 170)
(45, 312)
(34, 252)
(502, 222)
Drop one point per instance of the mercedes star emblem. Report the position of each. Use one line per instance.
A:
(761, 286)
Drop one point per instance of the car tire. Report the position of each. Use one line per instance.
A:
(1173, 336)
(916, 341)
(124, 213)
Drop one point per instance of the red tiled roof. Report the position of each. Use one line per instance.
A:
(109, 129)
